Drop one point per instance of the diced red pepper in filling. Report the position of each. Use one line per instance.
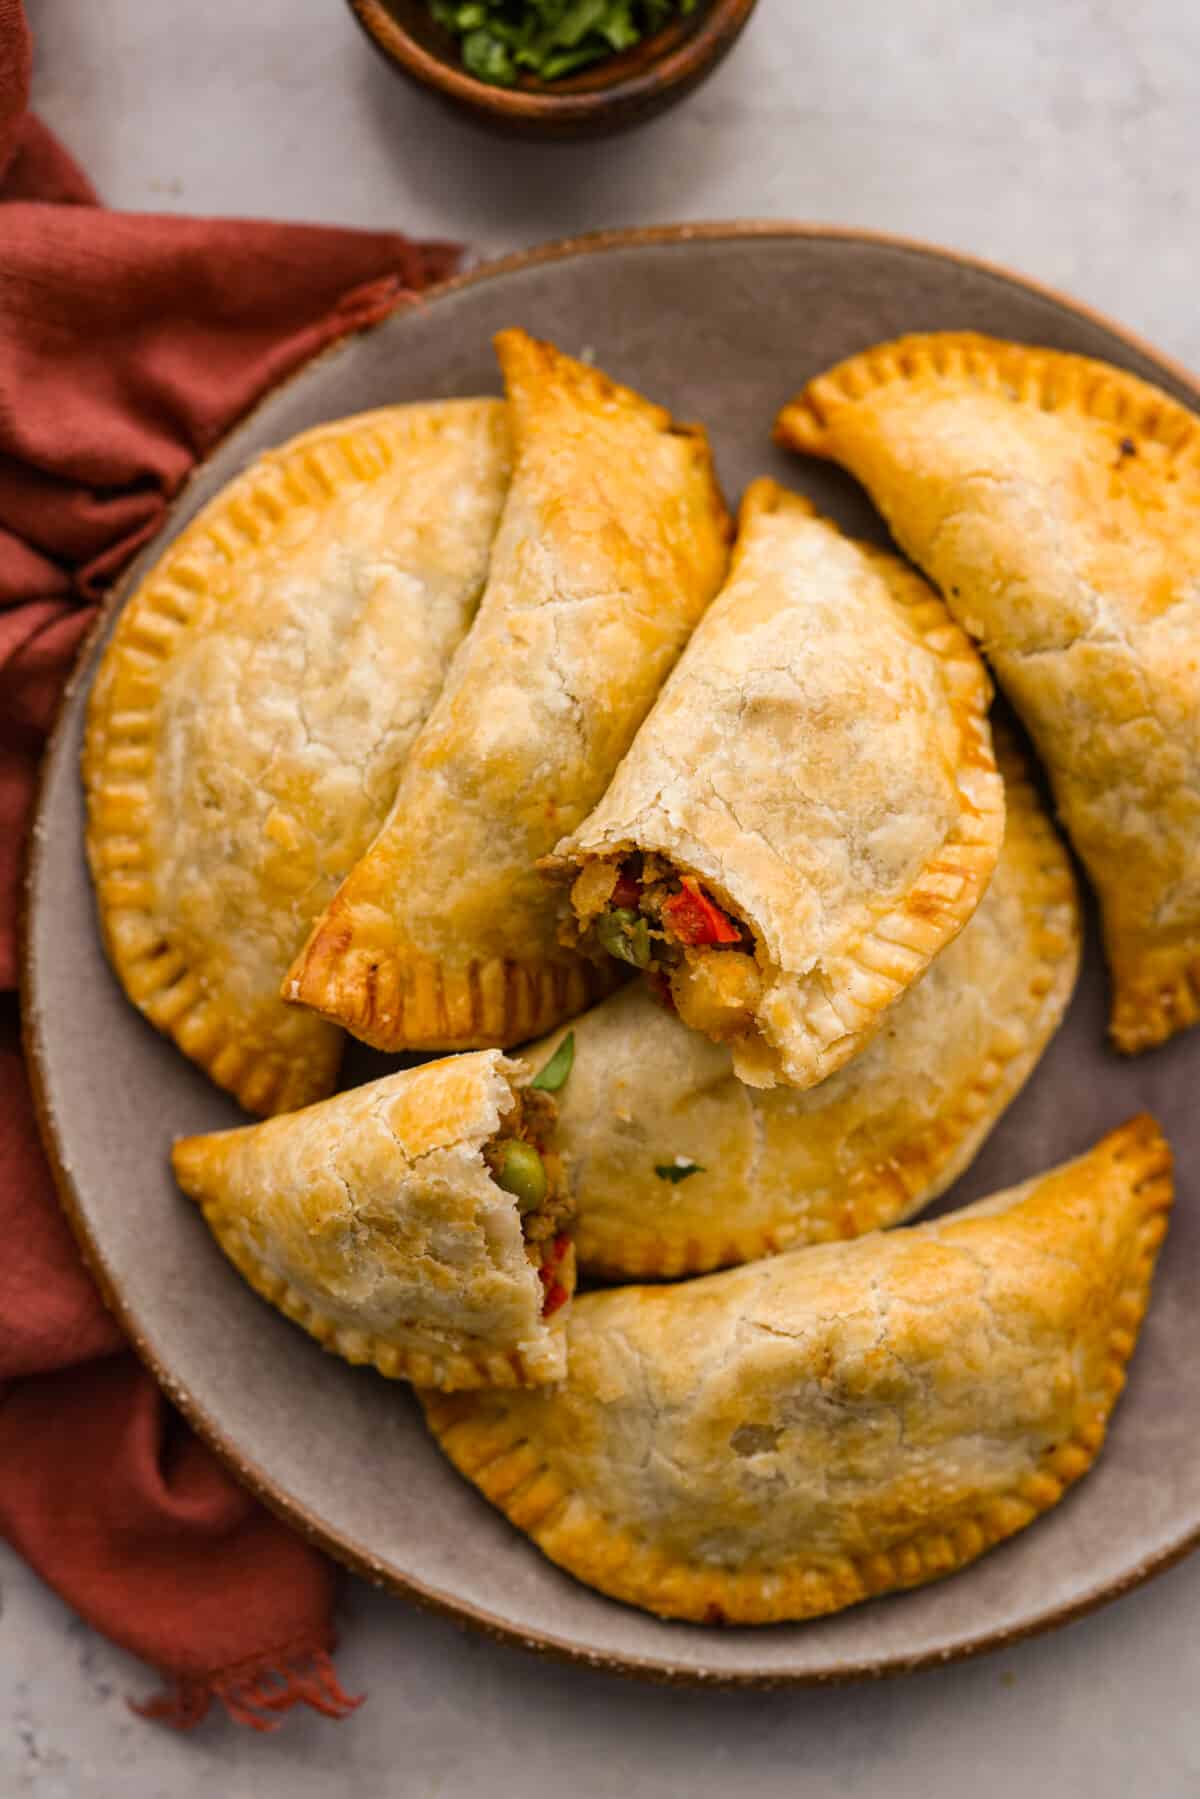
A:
(693, 918)
(556, 1294)
(627, 892)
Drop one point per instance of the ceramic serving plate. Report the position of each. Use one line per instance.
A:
(722, 324)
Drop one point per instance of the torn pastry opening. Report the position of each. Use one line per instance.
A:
(524, 1163)
(697, 954)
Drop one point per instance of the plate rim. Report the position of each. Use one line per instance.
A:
(342, 1549)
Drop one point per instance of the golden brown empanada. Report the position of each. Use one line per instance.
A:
(677, 1167)
(811, 811)
(405, 1223)
(1056, 502)
(250, 715)
(787, 1439)
(612, 543)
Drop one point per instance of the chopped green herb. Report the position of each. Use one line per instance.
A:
(501, 39)
(488, 58)
(678, 1170)
(554, 1074)
(626, 935)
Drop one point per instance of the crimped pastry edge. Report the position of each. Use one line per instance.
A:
(1155, 987)
(899, 944)
(407, 1001)
(887, 1193)
(853, 988)
(439, 1367)
(526, 361)
(602, 1553)
(118, 753)
(1155, 993)
(1051, 380)
(448, 1357)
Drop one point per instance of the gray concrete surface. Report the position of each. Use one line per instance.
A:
(1061, 137)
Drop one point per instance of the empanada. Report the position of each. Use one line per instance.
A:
(250, 715)
(811, 811)
(612, 543)
(417, 1223)
(787, 1439)
(1056, 502)
(677, 1167)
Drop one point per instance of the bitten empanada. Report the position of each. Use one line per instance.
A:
(810, 812)
(677, 1167)
(418, 1223)
(786, 1439)
(613, 541)
(249, 718)
(1056, 502)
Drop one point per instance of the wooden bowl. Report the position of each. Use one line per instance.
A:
(610, 96)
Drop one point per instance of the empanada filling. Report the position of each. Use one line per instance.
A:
(523, 1161)
(697, 955)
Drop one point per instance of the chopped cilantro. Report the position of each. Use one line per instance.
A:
(554, 1074)
(503, 39)
(678, 1170)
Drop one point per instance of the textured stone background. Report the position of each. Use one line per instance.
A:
(1062, 138)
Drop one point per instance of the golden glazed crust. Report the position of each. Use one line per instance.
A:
(373, 1221)
(612, 543)
(866, 1148)
(250, 715)
(786, 1439)
(1056, 502)
(821, 760)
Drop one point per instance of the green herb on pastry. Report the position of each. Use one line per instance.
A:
(867, 1147)
(783, 1440)
(419, 1223)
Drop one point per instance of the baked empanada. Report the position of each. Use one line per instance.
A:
(787, 1439)
(418, 1223)
(677, 1167)
(250, 715)
(1056, 502)
(811, 811)
(612, 543)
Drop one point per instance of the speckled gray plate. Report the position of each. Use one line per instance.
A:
(722, 324)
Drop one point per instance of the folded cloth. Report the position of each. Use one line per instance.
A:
(128, 345)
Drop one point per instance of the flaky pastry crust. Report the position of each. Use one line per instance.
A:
(679, 1168)
(821, 761)
(373, 1221)
(787, 1439)
(250, 715)
(1056, 502)
(613, 541)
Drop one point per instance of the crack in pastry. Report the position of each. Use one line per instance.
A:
(679, 1168)
(810, 812)
(251, 713)
(1056, 502)
(786, 1439)
(419, 1223)
(613, 541)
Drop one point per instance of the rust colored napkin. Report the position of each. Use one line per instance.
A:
(128, 345)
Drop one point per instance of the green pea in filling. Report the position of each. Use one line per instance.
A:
(519, 1169)
(522, 1161)
(625, 934)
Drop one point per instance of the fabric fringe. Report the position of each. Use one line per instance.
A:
(254, 1694)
